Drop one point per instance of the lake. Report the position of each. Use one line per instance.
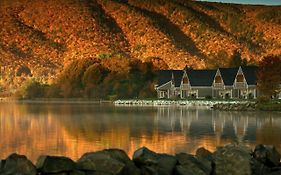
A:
(35, 129)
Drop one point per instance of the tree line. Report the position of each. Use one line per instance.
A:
(125, 78)
(90, 78)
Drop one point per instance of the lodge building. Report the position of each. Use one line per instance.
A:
(223, 83)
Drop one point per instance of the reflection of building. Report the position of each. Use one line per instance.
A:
(218, 125)
(221, 83)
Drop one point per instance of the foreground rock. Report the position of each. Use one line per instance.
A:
(54, 164)
(112, 161)
(189, 164)
(267, 155)
(17, 164)
(233, 159)
(150, 162)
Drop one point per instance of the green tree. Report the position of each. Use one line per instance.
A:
(269, 76)
(92, 79)
(236, 60)
(32, 89)
(70, 81)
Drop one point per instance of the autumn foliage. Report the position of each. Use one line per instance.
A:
(269, 76)
(48, 35)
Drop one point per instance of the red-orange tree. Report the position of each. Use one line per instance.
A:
(269, 76)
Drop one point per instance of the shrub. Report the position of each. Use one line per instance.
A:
(263, 99)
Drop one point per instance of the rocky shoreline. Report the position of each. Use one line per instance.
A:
(208, 103)
(249, 106)
(234, 159)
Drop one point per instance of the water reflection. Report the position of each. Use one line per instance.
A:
(73, 129)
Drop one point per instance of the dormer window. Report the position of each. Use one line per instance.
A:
(218, 79)
(240, 78)
(185, 80)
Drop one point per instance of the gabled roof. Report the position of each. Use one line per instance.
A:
(165, 86)
(228, 75)
(178, 77)
(164, 76)
(250, 74)
(201, 77)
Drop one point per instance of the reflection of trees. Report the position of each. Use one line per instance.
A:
(72, 129)
(270, 133)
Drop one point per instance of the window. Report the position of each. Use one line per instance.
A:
(162, 94)
(218, 79)
(240, 78)
(185, 80)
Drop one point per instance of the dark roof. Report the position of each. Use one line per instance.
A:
(228, 75)
(178, 77)
(201, 77)
(250, 74)
(164, 76)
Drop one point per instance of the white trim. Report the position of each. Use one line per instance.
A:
(164, 84)
(240, 71)
(218, 73)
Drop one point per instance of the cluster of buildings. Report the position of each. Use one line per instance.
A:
(225, 83)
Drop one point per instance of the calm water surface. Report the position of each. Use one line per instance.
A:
(73, 129)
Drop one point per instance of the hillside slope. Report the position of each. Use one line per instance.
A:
(45, 35)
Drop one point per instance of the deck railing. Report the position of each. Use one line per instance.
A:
(240, 85)
(218, 85)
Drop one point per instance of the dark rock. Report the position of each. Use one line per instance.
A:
(120, 155)
(54, 164)
(191, 165)
(166, 164)
(188, 170)
(2, 163)
(97, 173)
(204, 153)
(275, 173)
(152, 163)
(267, 155)
(259, 168)
(144, 156)
(233, 159)
(101, 163)
(63, 173)
(146, 160)
(17, 164)
(77, 172)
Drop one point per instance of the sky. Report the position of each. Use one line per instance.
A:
(265, 2)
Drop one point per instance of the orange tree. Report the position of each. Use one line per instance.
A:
(269, 76)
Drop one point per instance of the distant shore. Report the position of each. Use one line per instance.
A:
(57, 100)
(216, 104)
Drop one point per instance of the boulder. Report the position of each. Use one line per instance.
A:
(2, 163)
(146, 160)
(166, 164)
(144, 156)
(267, 155)
(77, 172)
(100, 162)
(120, 155)
(233, 159)
(189, 164)
(152, 163)
(204, 153)
(17, 164)
(54, 164)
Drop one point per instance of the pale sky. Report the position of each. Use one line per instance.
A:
(264, 2)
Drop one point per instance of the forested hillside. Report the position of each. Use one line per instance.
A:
(42, 37)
